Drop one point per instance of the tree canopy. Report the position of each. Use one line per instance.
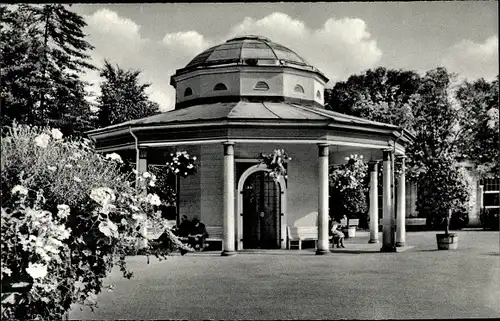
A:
(123, 96)
(44, 50)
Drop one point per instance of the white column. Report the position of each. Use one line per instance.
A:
(141, 167)
(401, 214)
(373, 201)
(388, 229)
(229, 230)
(323, 246)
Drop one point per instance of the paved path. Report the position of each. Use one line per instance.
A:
(358, 283)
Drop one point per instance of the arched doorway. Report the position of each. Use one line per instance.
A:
(261, 205)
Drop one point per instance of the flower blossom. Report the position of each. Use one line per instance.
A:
(56, 134)
(63, 210)
(42, 140)
(115, 157)
(102, 195)
(37, 270)
(154, 199)
(146, 175)
(19, 189)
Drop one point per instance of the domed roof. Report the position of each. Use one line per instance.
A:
(246, 47)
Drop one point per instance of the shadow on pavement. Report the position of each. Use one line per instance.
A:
(355, 251)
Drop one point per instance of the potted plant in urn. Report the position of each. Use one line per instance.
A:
(446, 193)
(348, 192)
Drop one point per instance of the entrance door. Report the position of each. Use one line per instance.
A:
(261, 217)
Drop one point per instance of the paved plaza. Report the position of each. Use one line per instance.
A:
(354, 283)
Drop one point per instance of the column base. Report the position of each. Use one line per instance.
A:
(400, 244)
(388, 248)
(322, 252)
(373, 241)
(228, 253)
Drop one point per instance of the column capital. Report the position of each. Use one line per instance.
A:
(372, 165)
(143, 152)
(228, 148)
(387, 154)
(323, 149)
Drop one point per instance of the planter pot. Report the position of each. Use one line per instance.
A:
(349, 231)
(447, 242)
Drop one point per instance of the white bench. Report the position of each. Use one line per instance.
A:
(301, 233)
(352, 222)
(416, 221)
(215, 234)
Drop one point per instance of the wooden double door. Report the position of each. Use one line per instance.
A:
(261, 212)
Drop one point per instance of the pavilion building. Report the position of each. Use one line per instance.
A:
(248, 96)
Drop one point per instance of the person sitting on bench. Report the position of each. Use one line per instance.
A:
(184, 227)
(338, 236)
(197, 235)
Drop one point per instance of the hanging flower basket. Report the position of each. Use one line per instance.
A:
(275, 163)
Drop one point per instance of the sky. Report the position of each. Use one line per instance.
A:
(339, 38)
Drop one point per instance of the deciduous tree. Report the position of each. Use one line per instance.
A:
(123, 96)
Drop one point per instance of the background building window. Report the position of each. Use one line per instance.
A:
(220, 86)
(261, 85)
(491, 193)
(188, 92)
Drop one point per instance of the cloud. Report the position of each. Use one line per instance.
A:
(339, 48)
(473, 60)
(189, 42)
(119, 40)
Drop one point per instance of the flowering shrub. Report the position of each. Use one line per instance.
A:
(68, 216)
(274, 161)
(182, 164)
(348, 187)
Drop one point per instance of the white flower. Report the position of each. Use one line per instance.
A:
(63, 210)
(42, 140)
(19, 189)
(56, 134)
(52, 168)
(154, 199)
(194, 157)
(185, 173)
(346, 158)
(76, 179)
(102, 195)
(190, 166)
(114, 156)
(152, 183)
(360, 156)
(37, 270)
(6, 270)
(146, 175)
(176, 170)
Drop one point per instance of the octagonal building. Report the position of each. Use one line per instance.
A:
(249, 96)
